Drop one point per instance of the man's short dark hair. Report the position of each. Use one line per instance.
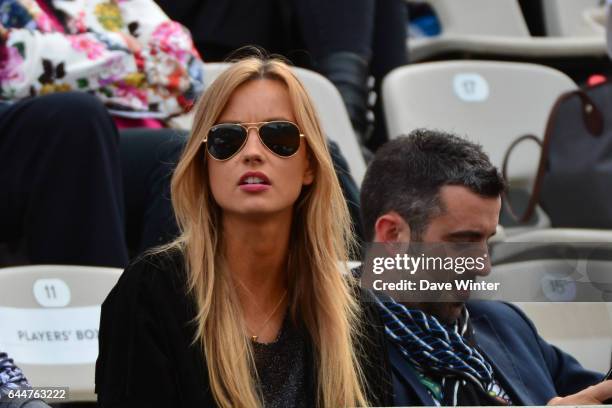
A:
(407, 173)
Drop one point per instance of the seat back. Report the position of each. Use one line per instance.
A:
(491, 103)
(580, 236)
(49, 318)
(582, 328)
(565, 18)
(480, 17)
(330, 109)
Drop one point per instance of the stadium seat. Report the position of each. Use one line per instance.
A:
(564, 235)
(473, 16)
(474, 27)
(596, 18)
(564, 278)
(583, 255)
(553, 243)
(330, 108)
(574, 316)
(564, 18)
(491, 103)
(49, 318)
(583, 330)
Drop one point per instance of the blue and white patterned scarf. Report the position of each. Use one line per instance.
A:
(438, 350)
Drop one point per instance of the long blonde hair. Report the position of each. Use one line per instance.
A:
(319, 295)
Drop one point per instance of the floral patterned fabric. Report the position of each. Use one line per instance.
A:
(11, 377)
(157, 73)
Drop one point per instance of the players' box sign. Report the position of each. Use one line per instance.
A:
(66, 335)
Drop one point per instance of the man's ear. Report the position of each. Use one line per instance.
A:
(391, 227)
(393, 231)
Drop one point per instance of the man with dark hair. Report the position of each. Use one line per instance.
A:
(413, 170)
(433, 187)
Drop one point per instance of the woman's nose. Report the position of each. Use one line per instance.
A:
(252, 150)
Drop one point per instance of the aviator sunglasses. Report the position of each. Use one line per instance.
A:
(281, 137)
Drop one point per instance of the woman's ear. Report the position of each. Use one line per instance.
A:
(309, 171)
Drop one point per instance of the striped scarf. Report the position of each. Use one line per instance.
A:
(11, 377)
(441, 351)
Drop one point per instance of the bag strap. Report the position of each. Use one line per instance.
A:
(535, 194)
(593, 121)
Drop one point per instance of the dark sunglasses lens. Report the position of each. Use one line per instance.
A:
(283, 138)
(225, 140)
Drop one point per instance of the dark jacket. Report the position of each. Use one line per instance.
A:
(221, 26)
(147, 358)
(529, 369)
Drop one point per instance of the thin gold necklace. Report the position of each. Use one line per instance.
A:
(254, 337)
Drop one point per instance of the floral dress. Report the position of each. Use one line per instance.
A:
(127, 52)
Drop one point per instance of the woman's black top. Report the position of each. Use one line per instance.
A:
(281, 368)
(147, 356)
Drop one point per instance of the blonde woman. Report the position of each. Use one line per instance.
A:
(248, 307)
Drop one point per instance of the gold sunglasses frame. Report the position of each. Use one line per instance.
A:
(248, 126)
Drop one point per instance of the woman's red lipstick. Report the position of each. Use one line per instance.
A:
(254, 181)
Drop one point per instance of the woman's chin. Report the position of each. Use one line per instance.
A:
(257, 211)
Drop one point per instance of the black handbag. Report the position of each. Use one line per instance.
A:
(574, 178)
